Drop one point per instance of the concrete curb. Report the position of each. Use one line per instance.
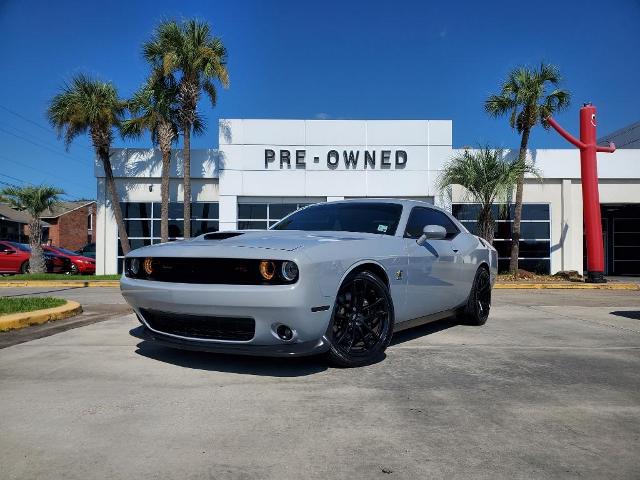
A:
(568, 286)
(59, 283)
(36, 317)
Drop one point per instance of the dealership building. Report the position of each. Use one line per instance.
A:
(265, 169)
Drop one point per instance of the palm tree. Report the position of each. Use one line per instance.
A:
(526, 98)
(34, 200)
(487, 178)
(199, 59)
(91, 105)
(154, 110)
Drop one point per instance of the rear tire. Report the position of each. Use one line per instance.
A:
(361, 324)
(479, 303)
(24, 268)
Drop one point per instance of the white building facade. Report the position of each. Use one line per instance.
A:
(264, 169)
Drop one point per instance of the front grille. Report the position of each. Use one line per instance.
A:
(201, 326)
(230, 271)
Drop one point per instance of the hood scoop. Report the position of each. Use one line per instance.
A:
(221, 235)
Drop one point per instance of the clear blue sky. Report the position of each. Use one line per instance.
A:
(322, 59)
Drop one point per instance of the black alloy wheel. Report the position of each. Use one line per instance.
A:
(362, 322)
(479, 303)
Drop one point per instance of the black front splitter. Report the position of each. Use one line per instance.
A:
(284, 350)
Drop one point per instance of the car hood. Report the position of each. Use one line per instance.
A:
(278, 240)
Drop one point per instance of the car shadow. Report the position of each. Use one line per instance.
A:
(232, 363)
(267, 366)
(424, 330)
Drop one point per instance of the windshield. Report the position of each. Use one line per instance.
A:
(63, 250)
(365, 217)
(20, 246)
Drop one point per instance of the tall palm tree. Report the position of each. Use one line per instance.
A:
(34, 200)
(91, 105)
(528, 96)
(198, 59)
(154, 109)
(487, 178)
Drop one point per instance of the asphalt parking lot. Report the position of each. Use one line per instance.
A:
(549, 388)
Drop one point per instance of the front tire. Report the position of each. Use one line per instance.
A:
(362, 321)
(479, 303)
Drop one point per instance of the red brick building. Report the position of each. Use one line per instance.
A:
(71, 224)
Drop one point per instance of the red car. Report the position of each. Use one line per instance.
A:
(14, 258)
(79, 263)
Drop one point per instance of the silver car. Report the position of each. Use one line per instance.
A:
(336, 278)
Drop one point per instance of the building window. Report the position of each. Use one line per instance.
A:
(260, 216)
(142, 222)
(535, 233)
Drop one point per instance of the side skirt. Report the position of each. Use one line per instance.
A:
(415, 322)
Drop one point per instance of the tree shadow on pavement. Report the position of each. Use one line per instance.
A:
(230, 363)
(632, 314)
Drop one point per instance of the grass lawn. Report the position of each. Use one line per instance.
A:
(59, 276)
(28, 304)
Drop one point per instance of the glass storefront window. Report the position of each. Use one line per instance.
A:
(142, 222)
(535, 233)
(262, 215)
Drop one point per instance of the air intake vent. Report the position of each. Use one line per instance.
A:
(221, 235)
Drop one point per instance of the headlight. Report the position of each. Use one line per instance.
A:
(267, 269)
(148, 265)
(134, 266)
(289, 271)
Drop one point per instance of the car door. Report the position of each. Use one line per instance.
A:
(433, 279)
(9, 258)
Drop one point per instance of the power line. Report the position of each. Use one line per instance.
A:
(42, 146)
(39, 125)
(39, 170)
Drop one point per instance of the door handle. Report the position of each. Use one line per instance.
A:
(455, 250)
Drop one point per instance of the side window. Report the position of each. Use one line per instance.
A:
(3, 247)
(422, 216)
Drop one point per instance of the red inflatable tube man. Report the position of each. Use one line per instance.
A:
(590, 197)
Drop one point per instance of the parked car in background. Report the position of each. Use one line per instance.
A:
(89, 250)
(79, 263)
(14, 258)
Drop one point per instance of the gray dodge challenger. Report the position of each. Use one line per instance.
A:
(336, 278)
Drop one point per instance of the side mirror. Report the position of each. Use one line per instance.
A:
(432, 232)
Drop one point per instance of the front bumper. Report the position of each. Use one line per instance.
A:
(282, 350)
(269, 306)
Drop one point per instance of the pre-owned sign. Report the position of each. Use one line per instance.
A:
(352, 159)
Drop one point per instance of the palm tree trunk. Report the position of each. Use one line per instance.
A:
(36, 260)
(186, 159)
(164, 195)
(115, 200)
(517, 214)
(486, 225)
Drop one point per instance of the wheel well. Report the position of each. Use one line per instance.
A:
(485, 266)
(374, 268)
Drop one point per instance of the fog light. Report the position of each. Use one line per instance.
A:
(267, 269)
(284, 332)
(134, 266)
(289, 271)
